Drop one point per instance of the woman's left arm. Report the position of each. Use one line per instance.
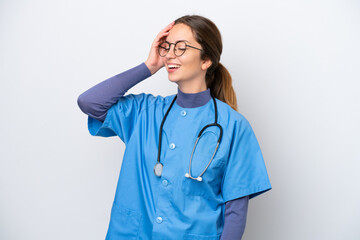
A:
(235, 218)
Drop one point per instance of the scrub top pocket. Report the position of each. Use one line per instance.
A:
(201, 237)
(210, 185)
(124, 223)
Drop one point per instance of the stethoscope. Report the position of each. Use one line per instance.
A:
(159, 166)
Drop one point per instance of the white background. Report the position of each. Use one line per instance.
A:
(295, 68)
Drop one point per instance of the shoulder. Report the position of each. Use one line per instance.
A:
(144, 100)
(236, 123)
(228, 114)
(142, 97)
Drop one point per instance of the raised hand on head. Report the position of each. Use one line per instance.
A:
(154, 61)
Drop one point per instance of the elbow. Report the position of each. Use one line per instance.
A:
(83, 103)
(88, 107)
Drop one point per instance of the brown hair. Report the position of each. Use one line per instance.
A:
(218, 78)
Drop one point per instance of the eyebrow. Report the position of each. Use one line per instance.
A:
(180, 41)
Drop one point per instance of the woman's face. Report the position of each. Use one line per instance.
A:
(191, 68)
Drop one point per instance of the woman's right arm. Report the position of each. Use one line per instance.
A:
(96, 101)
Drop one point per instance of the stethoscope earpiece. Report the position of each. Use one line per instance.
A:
(199, 179)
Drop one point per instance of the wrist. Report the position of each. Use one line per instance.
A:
(151, 68)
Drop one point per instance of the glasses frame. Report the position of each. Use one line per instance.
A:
(168, 50)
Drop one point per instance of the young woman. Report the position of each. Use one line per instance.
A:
(191, 161)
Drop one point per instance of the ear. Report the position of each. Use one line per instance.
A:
(206, 64)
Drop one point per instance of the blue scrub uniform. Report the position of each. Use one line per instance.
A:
(173, 206)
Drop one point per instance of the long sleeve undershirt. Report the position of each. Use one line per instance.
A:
(96, 101)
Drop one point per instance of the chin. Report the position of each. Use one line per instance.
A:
(173, 79)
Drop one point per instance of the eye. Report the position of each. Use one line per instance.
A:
(181, 46)
(164, 45)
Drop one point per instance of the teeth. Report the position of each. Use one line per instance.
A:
(173, 66)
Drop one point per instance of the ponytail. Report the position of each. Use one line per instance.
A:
(220, 83)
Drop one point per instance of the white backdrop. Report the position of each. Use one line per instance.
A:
(295, 68)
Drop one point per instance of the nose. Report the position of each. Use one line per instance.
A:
(171, 53)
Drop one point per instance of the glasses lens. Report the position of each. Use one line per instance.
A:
(163, 49)
(180, 48)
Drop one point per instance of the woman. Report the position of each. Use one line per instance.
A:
(174, 184)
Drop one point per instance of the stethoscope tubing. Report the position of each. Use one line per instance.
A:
(159, 166)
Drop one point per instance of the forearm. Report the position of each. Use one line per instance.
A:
(97, 100)
(235, 218)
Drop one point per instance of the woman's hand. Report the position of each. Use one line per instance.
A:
(154, 61)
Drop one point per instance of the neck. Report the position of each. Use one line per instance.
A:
(192, 89)
(192, 100)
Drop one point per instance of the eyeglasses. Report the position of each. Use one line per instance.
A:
(179, 48)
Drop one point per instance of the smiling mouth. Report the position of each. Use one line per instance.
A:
(173, 66)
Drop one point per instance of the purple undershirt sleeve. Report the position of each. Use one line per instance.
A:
(235, 218)
(97, 100)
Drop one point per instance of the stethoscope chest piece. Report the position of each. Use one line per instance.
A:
(158, 169)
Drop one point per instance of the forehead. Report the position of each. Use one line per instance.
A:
(180, 31)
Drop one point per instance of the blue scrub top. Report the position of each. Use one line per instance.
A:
(173, 206)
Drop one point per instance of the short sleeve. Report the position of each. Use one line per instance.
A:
(245, 172)
(122, 117)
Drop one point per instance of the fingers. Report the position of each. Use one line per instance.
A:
(163, 33)
(168, 27)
